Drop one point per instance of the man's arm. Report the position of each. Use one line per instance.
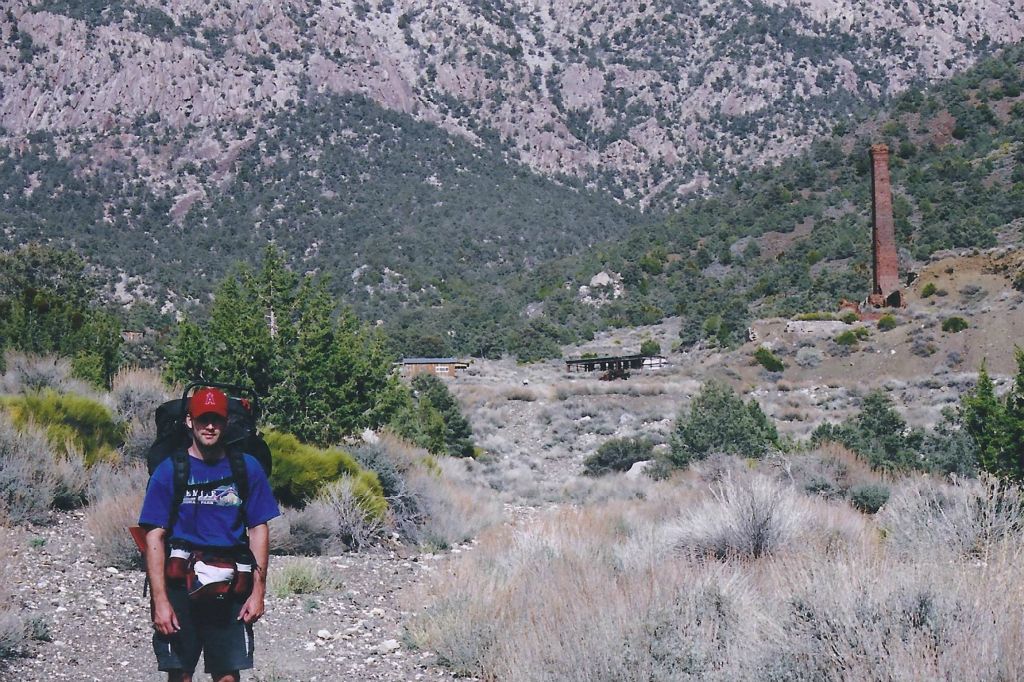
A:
(164, 619)
(259, 545)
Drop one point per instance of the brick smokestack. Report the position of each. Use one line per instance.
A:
(886, 290)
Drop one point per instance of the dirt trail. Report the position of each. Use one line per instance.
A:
(98, 620)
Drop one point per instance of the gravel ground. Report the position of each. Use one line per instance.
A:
(98, 621)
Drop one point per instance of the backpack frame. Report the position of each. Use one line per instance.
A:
(240, 437)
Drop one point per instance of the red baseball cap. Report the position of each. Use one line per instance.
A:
(207, 400)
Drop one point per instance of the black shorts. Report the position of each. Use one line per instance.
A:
(212, 628)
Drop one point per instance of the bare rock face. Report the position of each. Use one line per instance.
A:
(634, 96)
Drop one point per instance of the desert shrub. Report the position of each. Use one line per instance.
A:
(846, 338)
(13, 630)
(878, 433)
(849, 317)
(954, 324)
(650, 347)
(28, 483)
(618, 454)
(68, 418)
(928, 290)
(71, 479)
(33, 373)
(357, 522)
(302, 471)
(522, 394)
(809, 357)
(311, 531)
(139, 434)
(747, 516)
(886, 322)
(445, 505)
(115, 497)
(719, 421)
(829, 470)
(137, 393)
(869, 497)
(972, 518)
(768, 359)
(949, 448)
(301, 576)
(852, 336)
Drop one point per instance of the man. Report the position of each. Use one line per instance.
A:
(212, 520)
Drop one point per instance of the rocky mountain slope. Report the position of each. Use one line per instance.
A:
(643, 98)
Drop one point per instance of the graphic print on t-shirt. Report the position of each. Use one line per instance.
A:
(221, 496)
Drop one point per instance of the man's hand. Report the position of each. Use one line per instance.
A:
(165, 620)
(253, 608)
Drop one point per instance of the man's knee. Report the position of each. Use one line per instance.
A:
(232, 676)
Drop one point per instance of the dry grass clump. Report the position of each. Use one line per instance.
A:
(13, 630)
(602, 593)
(433, 503)
(137, 393)
(747, 516)
(28, 373)
(29, 474)
(969, 519)
(301, 576)
(115, 498)
(830, 470)
(521, 394)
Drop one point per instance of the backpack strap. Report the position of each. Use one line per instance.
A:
(179, 481)
(240, 473)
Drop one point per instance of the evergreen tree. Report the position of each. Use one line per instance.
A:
(1013, 433)
(241, 349)
(719, 421)
(189, 355)
(984, 418)
(47, 306)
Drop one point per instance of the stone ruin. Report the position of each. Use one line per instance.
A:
(886, 290)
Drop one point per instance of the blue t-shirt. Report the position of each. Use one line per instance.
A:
(209, 513)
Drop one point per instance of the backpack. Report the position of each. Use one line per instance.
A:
(240, 437)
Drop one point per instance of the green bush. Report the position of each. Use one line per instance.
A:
(928, 289)
(886, 322)
(302, 471)
(768, 359)
(84, 424)
(878, 433)
(954, 324)
(846, 338)
(302, 576)
(850, 337)
(650, 347)
(849, 317)
(618, 454)
(719, 421)
(818, 316)
(869, 497)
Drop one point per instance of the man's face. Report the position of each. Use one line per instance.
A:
(207, 428)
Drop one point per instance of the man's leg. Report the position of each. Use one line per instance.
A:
(232, 676)
(179, 676)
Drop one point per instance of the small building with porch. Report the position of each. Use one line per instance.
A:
(442, 367)
(616, 366)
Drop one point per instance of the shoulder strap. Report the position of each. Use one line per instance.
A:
(179, 481)
(240, 473)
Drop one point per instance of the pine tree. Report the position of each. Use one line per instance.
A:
(984, 418)
(1013, 423)
(188, 356)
